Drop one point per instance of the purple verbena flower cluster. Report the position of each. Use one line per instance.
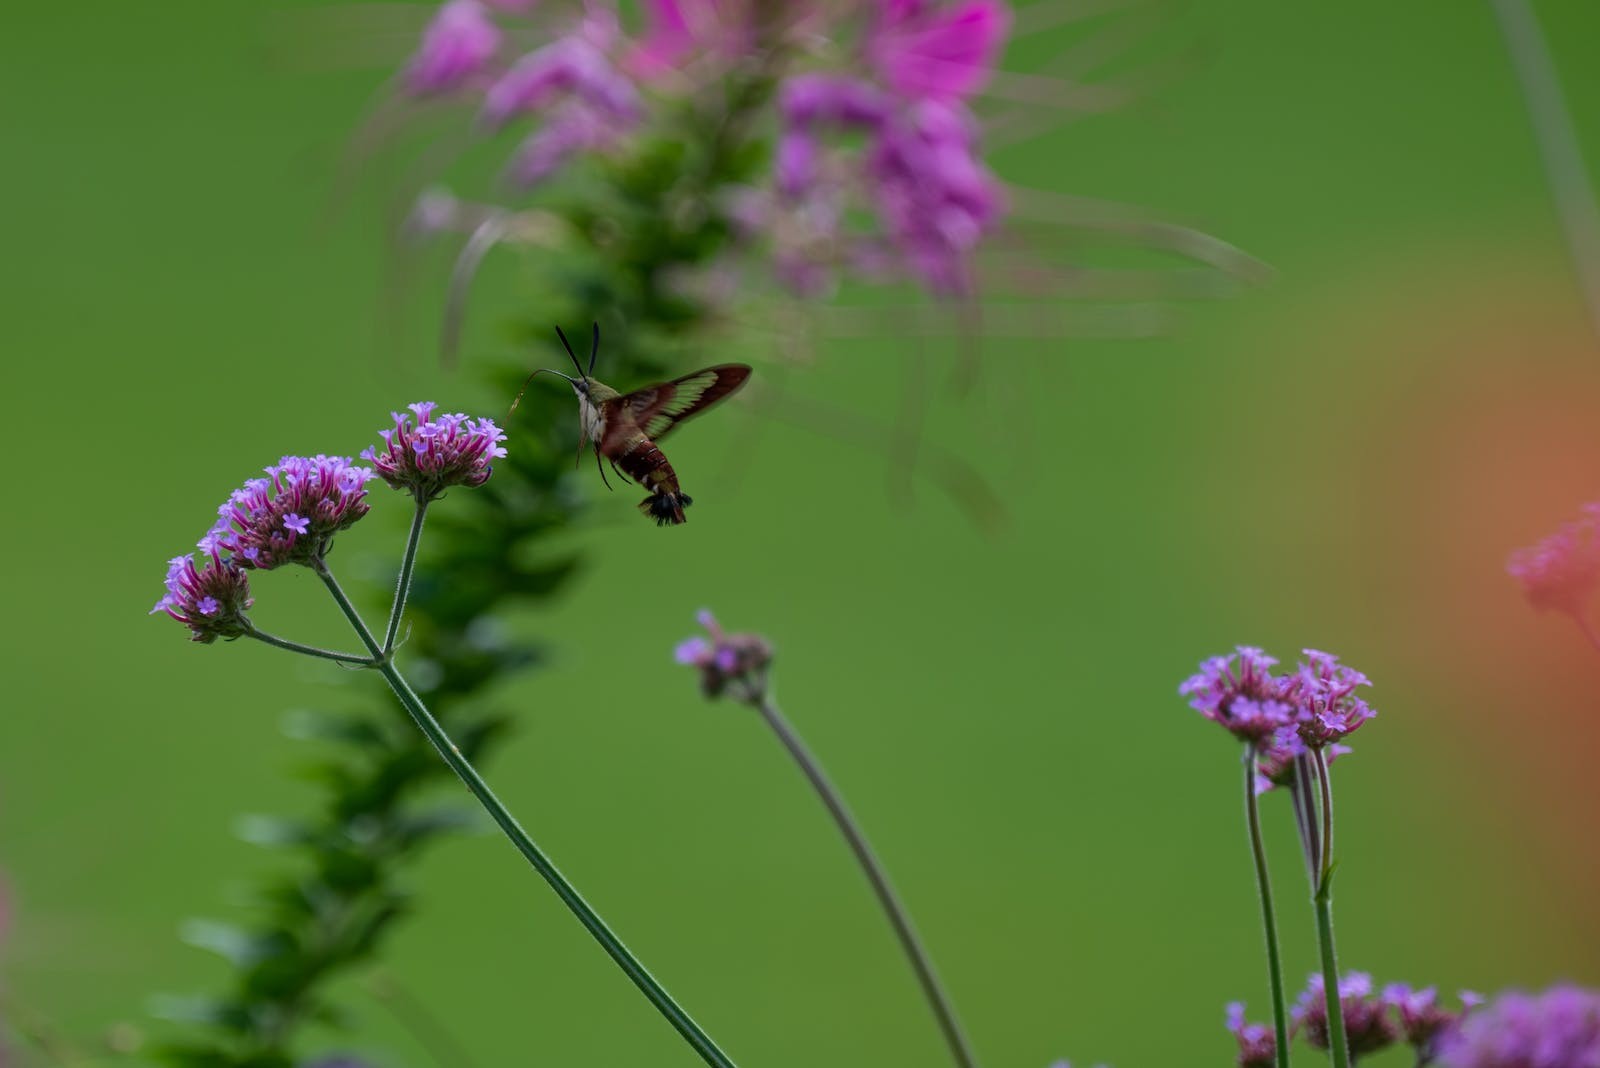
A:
(1258, 1046)
(735, 664)
(290, 516)
(1281, 716)
(425, 456)
(1423, 1020)
(1561, 571)
(209, 600)
(1372, 1021)
(1369, 1026)
(1559, 1028)
(876, 166)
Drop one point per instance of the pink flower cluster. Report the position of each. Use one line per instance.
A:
(574, 86)
(888, 133)
(290, 516)
(1258, 1046)
(425, 456)
(1561, 571)
(1281, 716)
(735, 664)
(1559, 1028)
(1372, 1021)
(876, 166)
(210, 600)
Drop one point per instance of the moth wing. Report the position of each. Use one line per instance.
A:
(658, 409)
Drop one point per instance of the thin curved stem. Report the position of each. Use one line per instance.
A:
(1588, 629)
(635, 971)
(899, 918)
(308, 650)
(402, 587)
(1568, 177)
(1269, 923)
(1338, 1044)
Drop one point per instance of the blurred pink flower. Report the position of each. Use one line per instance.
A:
(457, 44)
(930, 50)
(1561, 571)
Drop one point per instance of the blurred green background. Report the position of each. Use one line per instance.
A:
(1339, 459)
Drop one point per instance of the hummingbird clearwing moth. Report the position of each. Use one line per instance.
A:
(624, 427)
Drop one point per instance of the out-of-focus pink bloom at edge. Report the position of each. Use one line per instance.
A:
(922, 50)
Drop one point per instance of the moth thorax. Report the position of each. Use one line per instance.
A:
(592, 422)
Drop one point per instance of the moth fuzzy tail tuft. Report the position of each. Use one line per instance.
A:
(666, 508)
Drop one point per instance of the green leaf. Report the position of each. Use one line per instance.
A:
(238, 946)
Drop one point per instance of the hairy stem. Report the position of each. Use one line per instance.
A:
(675, 1015)
(403, 586)
(899, 919)
(1338, 1044)
(308, 650)
(1269, 923)
(1568, 177)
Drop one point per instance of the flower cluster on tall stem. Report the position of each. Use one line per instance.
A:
(736, 665)
(423, 460)
(1292, 726)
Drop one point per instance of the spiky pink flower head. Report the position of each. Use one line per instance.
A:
(425, 456)
(571, 130)
(1559, 1028)
(1561, 571)
(934, 196)
(1239, 693)
(570, 67)
(1423, 1020)
(290, 516)
(1323, 692)
(937, 51)
(1258, 1046)
(1367, 1024)
(458, 43)
(209, 600)
(735, 664)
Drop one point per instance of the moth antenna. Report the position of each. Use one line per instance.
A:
(594, 347)
(540, 371)
(571, 355)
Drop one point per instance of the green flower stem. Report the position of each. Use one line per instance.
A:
(1554, 132)
(403, 586)
(308, 650)
(680, 1020)
(899, 919)
(1258, 850)
(1338, 1044)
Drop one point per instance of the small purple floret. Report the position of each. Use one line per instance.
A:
(1258, 1046)
(425, 456)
